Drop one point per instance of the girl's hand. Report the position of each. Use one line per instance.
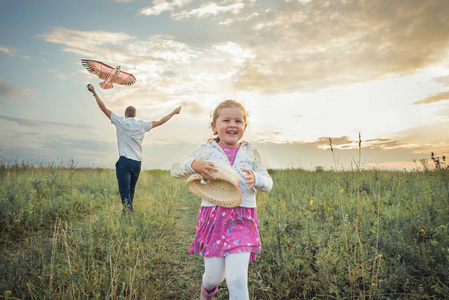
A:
(204, 168)
(250, 178)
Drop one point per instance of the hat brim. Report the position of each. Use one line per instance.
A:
(223, 191)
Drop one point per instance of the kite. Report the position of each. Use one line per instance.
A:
(109, 74)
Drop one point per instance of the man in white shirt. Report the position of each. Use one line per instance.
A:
(130, 134)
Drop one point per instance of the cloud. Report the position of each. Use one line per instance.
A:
(160, 6)
(12, 91)
(37, 140)
(442, 96)
(60, 150)
(194, 108)
(208, 10)
(38, 123)
(166, 69)
(86, 42)
(78, 38)
(277, 46)
(434, 98)
(308, 155)
(12, 52)
(346, 143)
(341, 143)
(319, 44)
(188, 9)
(62, 75)
(311, 45)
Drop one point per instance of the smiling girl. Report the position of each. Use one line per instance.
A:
(227, 238)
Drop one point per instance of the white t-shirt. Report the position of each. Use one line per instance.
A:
(130, 133)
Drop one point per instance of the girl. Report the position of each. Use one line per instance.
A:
(228, 238)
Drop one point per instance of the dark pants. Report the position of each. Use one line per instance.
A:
(127, 171)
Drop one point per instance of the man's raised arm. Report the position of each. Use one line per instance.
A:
(100, 103)
(167, 117)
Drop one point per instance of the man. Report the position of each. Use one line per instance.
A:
(130, 134)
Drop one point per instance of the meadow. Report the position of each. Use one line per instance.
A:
(360, 234)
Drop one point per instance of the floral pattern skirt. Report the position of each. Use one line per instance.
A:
(222, 231)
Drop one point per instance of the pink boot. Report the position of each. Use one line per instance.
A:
(205, 295)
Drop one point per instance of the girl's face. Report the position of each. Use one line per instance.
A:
(230, 126)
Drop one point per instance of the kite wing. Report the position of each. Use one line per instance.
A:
(98, 68)
(124, 78)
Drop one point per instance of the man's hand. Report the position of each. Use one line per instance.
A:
(91, 88)
(204, 168)
(100, 103)
(177, 110)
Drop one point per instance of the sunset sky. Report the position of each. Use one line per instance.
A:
(307, 71)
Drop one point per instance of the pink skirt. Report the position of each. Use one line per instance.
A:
(222, 231)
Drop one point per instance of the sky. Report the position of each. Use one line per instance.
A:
(306, 70)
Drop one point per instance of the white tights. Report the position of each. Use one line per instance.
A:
(234, 268)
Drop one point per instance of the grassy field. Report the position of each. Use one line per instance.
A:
(325, 235)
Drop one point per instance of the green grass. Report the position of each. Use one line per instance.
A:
(346, 235)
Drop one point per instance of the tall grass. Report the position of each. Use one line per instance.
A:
(32, 198)
(361, 234)
(399, 247)
(87, 249)
(330, 234)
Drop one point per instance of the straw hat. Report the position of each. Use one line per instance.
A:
(223, 191)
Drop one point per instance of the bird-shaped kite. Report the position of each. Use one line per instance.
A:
(109, 74)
